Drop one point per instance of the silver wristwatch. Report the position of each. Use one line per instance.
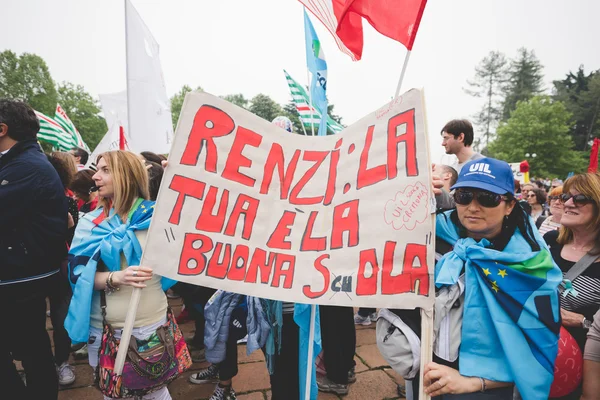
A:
(586, 323)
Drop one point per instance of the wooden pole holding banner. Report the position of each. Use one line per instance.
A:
(406, 58)
(426, 347)
(311, 339)
(127, 329)
(135, 295)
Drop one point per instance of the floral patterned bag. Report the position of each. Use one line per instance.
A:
(150, 364)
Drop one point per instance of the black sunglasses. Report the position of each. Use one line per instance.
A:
(484, 198)
(578, 199)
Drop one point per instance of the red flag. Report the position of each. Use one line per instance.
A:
(396, 19)
(122, 141)
(594, 156)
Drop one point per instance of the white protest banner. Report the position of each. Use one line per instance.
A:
(150, 125)
(340, 220)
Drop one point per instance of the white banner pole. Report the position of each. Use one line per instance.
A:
(135, 295)
(302, 123)
(311, 339)
(406, 58)
(129, 127)
(426, 347)
(127, 329)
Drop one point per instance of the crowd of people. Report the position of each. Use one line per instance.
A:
(73, 236)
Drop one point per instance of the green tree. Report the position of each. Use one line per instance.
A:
(237, 99)
(525, 79)
(581, 95)
(26, 77)
(539, 126)
(177, 102)
(490, 78)
(265, 107)
(84, 111)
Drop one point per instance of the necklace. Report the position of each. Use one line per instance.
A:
(581, 248)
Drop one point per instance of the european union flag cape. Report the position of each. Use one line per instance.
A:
(511, 318)
(98, 238)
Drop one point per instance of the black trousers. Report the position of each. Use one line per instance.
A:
(285, 384)
(60, 298)
(365, 312)
(228, 368)
(195, 298)
(338, 335)
(23, 337)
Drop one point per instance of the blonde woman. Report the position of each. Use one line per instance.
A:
(552, 223)
(578, 236)
(114, 235)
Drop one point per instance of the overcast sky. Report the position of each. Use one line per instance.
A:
(242, 46)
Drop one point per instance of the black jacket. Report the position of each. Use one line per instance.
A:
(33, 216)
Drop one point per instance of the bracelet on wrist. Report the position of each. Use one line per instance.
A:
(482, 384)
(110, 286)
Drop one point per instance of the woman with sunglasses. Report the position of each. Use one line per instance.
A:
(491, 246)
(578, 236)
(537, 200)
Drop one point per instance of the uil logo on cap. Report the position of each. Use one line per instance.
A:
(480, 169)
(486, 174)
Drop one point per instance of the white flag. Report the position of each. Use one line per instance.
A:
(109, 142)
(150, 124)
(114, 107)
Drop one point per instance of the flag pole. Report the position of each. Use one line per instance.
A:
(137, 292)
(406, 58)
(311, 339)
(302, 123)
(310, 105)
(129, 126)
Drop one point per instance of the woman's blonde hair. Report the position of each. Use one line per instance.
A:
(557, 191)
(130, 182)
(588, 185)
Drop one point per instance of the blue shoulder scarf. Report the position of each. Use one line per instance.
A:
(511, 318)
(97, 238)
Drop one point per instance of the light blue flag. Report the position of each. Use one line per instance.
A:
(302, 317)
(315, 60)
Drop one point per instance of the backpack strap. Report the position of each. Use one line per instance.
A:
(580, 266)
(103, 306)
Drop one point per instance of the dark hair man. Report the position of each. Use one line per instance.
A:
(81, 157)
(457, 139)
(33, 230)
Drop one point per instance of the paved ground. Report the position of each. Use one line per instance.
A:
(375, 380)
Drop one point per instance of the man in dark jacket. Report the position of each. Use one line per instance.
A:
(33, 229)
